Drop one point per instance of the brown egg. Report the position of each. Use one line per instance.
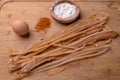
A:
(20, 27)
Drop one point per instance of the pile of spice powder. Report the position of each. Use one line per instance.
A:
(43, 24)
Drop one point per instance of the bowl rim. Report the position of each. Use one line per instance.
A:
(68, 19)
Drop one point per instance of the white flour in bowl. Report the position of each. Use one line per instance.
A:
(64, 10)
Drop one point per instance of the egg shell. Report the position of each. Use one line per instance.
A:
(20, 27)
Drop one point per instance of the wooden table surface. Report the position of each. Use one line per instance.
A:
(104, 67)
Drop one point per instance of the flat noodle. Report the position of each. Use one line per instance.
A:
(88, 31)
(81, 55)
(104, 42)
(83, 39)
(84, 24)
(55, 52)
(57, 70)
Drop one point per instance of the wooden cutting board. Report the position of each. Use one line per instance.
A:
(104, 67)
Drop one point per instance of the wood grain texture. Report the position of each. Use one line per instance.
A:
(73, 0)
(104, 67)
